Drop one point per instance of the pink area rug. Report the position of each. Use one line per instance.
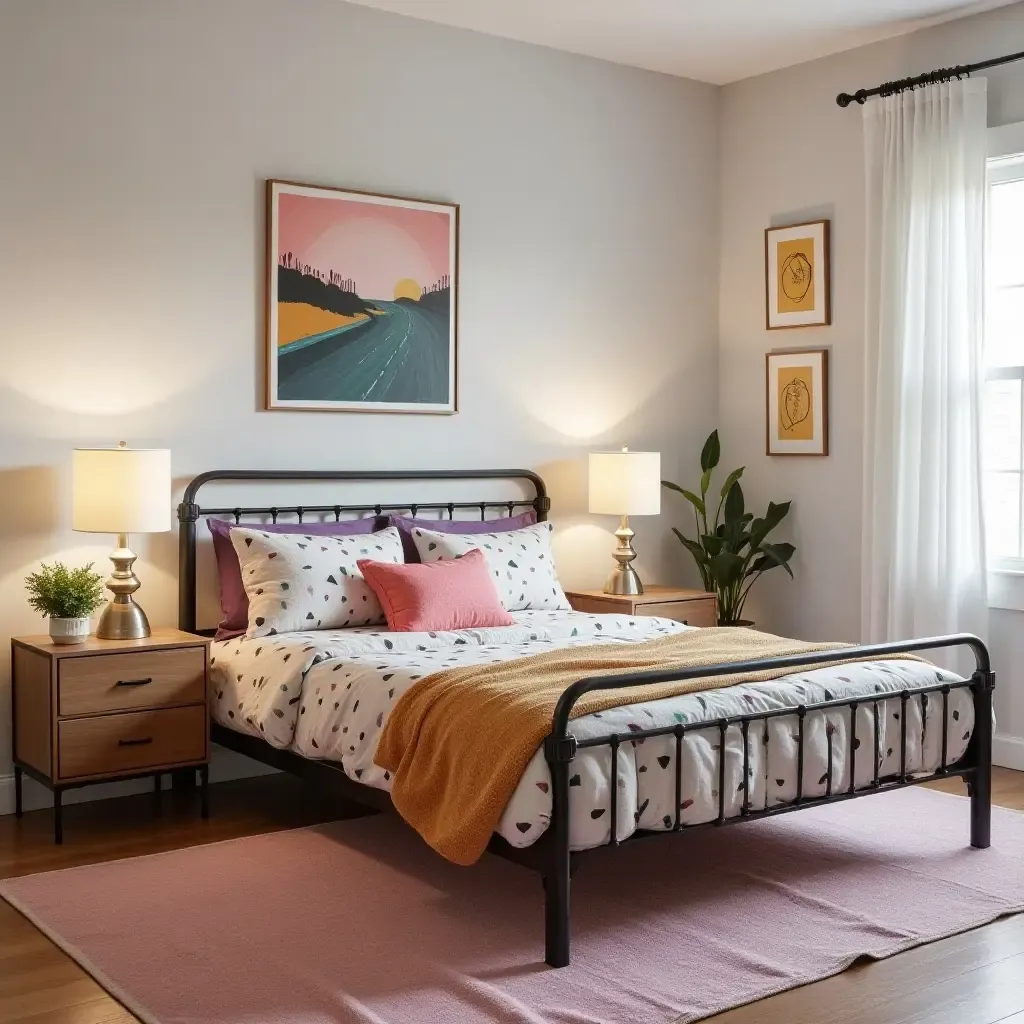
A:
(358, 922)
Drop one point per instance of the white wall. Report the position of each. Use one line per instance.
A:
(135, 141)
(789, 153)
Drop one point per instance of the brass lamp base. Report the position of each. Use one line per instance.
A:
(624, 580)
(123, 619)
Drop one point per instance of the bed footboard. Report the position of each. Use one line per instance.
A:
(560, 748)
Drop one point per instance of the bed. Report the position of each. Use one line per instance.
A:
(314, 703)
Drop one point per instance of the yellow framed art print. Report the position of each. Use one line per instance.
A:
(797, 402)
(797, 276)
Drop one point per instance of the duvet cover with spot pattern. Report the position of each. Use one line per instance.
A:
(326, 694)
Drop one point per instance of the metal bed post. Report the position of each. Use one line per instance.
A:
(559, 752)
(188, 517)
(980, 785)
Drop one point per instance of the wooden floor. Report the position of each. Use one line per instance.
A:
(974, 978)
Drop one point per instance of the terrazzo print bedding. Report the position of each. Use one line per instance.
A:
(326, 694)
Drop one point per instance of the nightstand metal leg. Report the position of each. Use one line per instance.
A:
(58, 817)
(17, 792)
(204, 790)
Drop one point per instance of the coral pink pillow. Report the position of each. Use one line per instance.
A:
(451, 594)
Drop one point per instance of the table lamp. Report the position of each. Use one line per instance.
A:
(625, 484)
(122, 490)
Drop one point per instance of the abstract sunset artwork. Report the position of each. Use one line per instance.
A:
(797, 272)
(797, 402)
(361, 301)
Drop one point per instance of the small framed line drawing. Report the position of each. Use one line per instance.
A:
(797, 402)
(797, 276)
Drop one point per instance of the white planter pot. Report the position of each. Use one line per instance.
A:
(69, 631)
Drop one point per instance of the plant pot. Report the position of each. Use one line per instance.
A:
(747, 623)
(69, 631)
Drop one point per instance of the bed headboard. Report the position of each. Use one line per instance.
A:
(190, 512)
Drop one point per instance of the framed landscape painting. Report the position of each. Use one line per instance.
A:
(797, 276)
(361, 301)
(797, 402)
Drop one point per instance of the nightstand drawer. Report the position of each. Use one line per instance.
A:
(120, 682)
(133, 741)
(692, 613)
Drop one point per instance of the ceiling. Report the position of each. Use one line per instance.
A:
(715, 41)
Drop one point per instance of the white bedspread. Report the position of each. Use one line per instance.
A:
(326, 694)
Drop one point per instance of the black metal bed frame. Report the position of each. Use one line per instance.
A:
(551, 855)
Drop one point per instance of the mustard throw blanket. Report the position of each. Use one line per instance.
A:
(458, 741)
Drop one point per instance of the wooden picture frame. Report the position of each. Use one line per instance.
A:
(796, 402)
(798, 275)
(361, 301)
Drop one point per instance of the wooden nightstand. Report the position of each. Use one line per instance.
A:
(692, 607)
(109, 709)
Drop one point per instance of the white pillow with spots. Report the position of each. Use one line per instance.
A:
(520, 562)
(299, 582)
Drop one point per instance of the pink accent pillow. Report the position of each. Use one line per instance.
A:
(450, 594)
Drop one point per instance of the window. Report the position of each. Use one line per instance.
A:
(1004, 360)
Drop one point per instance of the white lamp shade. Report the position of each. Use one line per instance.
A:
(122, 490)
(625, 483)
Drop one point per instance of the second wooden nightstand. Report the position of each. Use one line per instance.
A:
(109, 709)
(692, 607)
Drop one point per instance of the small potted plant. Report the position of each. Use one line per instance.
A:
(68, 597)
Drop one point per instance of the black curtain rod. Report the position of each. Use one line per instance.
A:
(844, 99)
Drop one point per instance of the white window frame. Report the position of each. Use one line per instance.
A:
(1006, 162)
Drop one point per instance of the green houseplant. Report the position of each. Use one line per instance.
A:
(68, 597)
(731, 549)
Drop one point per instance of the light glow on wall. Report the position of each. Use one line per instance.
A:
(97, 354)
(586, 399)
(106, 380)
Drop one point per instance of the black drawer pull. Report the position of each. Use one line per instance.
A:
(135, 743)
(135, 682)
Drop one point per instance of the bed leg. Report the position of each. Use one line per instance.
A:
(556, 915)
(557, 870)
(981, 780)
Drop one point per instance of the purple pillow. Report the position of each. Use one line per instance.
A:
(234, 604)
(406, 524)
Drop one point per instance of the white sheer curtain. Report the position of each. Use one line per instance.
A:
(923, 535)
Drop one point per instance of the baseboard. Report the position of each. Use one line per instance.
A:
(225, 765)
(1008, 751)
